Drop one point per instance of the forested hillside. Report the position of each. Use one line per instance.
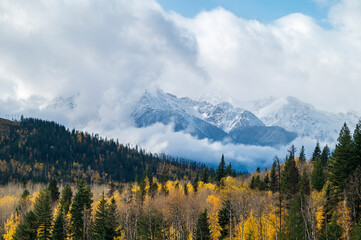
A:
(39, 150)
(297, 198)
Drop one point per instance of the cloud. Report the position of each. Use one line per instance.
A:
(104, 54)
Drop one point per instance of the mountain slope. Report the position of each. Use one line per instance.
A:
(40, 150)
(204, 120)
(302, 118)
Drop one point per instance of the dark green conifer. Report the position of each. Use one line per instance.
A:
(101, 226)
(294, 221)
(66, 197)
(221, 170)
(302, 156)
(318, 177)
(304, 186)
(195, 184)
(334, 230)
(290, 179)
(203, 231)
(59, 227)
(341, 164)
(27, 230)
(185, 189)
(43, 213)
(325, 156)
(224, 219)
(266, 182)
(317, 152)
(274, 182)
(54, 191)
(204, 176)
(357, 145)
(80, 207)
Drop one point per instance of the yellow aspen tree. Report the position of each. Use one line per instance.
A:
(344, 219)
(10, 226)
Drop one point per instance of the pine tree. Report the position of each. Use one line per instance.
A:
(341, 164)
(195, 184)
(101, 225)
(302, 156)
(318, 177)
(203, 231)
(204, 176)
(149, 225)
(324, 156)
(27, 230)
(185, 189)
(66, 197)
(113, 218)
(294, 221)
(266, 182)
(43, 213)
(54, 190)
(317, 152)
(221, 171)
(292, 152)
(357, 145)
(59, 227)
(290, 179)
(334, 230)
(224, 219)
(274, 182)
(304, 185)
(81, 204)
(252, 184)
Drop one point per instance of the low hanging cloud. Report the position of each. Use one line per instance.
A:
(102, 55)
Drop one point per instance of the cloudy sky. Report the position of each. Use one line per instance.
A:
(104, 54)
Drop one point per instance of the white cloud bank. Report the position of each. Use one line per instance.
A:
(106, 53)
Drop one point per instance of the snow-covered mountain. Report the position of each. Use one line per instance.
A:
(202, 119)
(302, 118)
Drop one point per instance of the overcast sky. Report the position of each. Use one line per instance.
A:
(104, 54)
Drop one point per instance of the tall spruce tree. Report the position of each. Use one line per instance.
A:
(317, 152)
(59, 227)
(224, 219)
(102, 225)
(204, 176)
(27, 230)
(81, 206)
(54, 190)
(294, 221)
(302, 156)
(318, 177)
(290, 179)
(221, 170)
(203, 230)
(341, 164)
(357, 145)
(325, 156)
(66, 197)
(274, 182)
(43, 213)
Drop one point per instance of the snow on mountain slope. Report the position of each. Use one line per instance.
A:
(302, 118)
(205, 120)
